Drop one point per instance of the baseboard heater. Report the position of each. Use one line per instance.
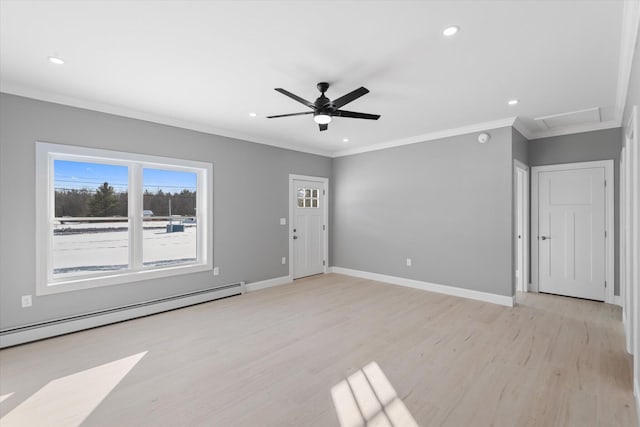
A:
(37, 331)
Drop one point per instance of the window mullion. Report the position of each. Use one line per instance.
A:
(135, 216)
(201, 203)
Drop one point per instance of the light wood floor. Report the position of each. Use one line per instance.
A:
(272, 358)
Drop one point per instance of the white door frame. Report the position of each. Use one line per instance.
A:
(625, 236)
(609, 228)
(525, 220)
(632, 142)
(325, 213)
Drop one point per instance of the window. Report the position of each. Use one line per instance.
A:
(308, 197)
(106, 217)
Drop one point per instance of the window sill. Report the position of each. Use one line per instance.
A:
(118, 278)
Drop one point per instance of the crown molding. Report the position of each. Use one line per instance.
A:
(70, 101)
(41, 95)
(519, 125)
(476, 127)
(628, 39)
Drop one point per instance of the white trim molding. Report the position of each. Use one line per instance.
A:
(610, 189)
(446, 133)
(508, 301)
(269, 283)
(516, 122)
(636, 394)
(70, 101)
(628, 40)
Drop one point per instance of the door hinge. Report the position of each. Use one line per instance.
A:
(605, 283)
(323, 193)
(605, 234)
(605, 182)
(323, 263)
(323, 228)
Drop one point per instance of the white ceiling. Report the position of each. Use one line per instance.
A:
(207, 65)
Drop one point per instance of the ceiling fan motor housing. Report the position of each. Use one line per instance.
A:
(322, 87)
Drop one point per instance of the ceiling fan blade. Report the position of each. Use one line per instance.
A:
(296, 97)
(351, 96)
(355, 115)
(323, 127)
(289, 115)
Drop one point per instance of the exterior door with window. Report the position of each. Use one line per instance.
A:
(308, 228)
(571, 232)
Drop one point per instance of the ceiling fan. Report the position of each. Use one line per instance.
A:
(324, 109)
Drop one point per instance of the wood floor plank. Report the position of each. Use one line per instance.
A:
(272, 357)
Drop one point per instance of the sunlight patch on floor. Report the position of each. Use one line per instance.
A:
(69, 400)
(4, 397)
(367, 398)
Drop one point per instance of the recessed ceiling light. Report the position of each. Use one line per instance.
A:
(56, 60)
(513, 102)
(449, 31)
(252, 114)
(345, 139)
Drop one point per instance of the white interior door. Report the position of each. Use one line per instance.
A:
(571, 232)
(308, 227)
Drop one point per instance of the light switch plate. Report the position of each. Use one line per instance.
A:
(283, 221)
(216, 271)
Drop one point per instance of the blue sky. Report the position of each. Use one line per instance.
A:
(79, 175)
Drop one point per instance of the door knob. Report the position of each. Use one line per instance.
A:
(545, 237)
(295, 237)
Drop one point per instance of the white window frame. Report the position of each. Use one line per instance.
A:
(47, 153)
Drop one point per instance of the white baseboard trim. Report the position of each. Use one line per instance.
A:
(508, 301)
(636, 394)
(53, 328)
(617, 300)
(263, 284)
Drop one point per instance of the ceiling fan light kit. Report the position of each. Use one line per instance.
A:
(323, 109)
(322, 119)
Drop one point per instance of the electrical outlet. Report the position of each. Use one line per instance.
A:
(284, 260)
(26, 301)
(216, 271)
(283, 221)
(408, 262)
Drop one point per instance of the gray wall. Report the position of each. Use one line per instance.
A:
(584, 147)
(250, 195)
(519, 147)
(446, 204)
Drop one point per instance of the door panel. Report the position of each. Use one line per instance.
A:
(308, 222)
(571, 232)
